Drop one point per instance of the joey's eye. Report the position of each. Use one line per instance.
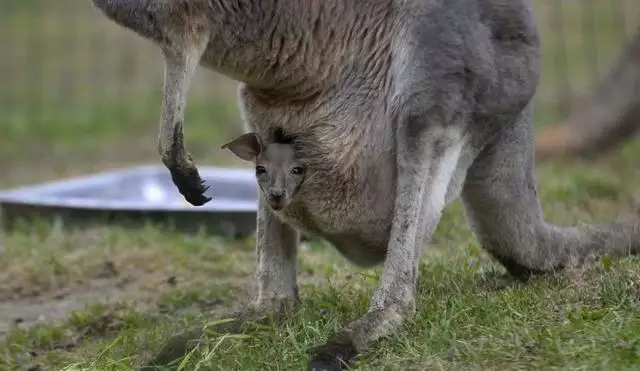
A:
(260, 170)
(297, 170)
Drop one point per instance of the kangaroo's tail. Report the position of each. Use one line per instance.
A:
(140, 16)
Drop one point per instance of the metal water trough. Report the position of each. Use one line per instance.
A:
(134, 196)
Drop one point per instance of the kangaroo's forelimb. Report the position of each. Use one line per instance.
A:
(179, 69)
(179, 29)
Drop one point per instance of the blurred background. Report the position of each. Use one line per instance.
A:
(80, 94)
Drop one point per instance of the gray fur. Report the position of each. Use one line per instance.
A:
(401, 106)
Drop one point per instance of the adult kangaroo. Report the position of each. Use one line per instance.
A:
(402, 106)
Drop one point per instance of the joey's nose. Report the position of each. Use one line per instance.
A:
(276, 195)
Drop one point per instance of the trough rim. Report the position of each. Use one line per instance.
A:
(41, 194)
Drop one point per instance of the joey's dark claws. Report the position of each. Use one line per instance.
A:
(332, 356)
(190, 185)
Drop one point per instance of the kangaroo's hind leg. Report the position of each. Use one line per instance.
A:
(503, 209)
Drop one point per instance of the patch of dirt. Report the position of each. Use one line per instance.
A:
(27, 277)
(107, 287)
(135, 279)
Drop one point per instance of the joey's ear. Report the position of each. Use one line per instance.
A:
(247, 146)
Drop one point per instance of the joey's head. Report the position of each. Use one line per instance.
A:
(278, 171)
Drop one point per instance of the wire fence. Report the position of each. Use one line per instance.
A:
(65, 67)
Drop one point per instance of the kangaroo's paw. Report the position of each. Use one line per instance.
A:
(190, 184)
(334, 355)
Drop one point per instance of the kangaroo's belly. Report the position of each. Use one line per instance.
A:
(361, 238)
(357, 221)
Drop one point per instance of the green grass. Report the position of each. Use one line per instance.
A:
(79, 94)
